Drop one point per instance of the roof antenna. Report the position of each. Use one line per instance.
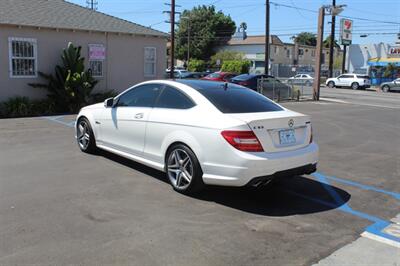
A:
(225, 86)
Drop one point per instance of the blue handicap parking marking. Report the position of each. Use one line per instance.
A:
(359, 185)
(380, 227)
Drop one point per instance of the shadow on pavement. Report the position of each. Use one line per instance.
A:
(284, 197)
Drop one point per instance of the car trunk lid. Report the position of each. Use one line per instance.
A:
(279, 131)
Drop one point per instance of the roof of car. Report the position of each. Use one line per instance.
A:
(205, 84)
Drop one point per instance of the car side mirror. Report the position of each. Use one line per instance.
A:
(109, 103)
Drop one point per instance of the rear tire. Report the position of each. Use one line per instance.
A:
(331, 84)
(385, 88)
(355, 86)
(183, 170)
(85, 136)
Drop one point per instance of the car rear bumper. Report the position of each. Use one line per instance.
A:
(249, 166)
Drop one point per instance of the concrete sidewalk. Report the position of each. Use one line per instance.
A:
(369, 249)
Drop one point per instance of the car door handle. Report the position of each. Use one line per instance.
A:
(139, 116)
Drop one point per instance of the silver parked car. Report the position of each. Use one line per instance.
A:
(301, 79)
(391, 86)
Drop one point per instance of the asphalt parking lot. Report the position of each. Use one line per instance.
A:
(61, 206)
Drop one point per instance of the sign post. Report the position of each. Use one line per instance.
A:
(346, 36)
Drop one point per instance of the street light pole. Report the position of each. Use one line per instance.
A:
(332, 40)
(266, 71)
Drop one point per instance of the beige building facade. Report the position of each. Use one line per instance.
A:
(290, 55)
(118, 58)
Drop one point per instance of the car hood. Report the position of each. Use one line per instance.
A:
(94, 106)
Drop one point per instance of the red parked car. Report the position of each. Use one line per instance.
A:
(219, 76)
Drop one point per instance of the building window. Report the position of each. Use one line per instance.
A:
(288, 53)
(149, 61)
(301, 52)
(96, 66)
(23, 57)
(313, 53)
(276, 49)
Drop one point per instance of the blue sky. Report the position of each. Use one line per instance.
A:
(285, 21)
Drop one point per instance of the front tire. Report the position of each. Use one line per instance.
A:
(355, 86)
(85, 136)
(183, 170)
(331, 84)
(385, 88)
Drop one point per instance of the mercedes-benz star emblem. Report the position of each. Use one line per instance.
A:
(291, 123)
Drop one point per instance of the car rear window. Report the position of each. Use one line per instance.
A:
(237, 99)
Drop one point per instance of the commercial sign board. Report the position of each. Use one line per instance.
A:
(97, 52)
(394, 51)
(346, 28)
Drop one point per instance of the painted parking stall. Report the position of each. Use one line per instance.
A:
(381, 229)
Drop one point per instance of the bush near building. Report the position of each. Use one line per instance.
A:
(236, 66)
(196, 65)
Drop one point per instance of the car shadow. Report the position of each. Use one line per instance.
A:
(284, 197)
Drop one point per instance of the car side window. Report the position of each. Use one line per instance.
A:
(141, 96)
(174, 99)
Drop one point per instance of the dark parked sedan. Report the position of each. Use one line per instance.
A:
(271, 87)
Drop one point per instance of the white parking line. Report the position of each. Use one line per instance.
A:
(381, 239)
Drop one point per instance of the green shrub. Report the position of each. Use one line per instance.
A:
(236, 66)
(71, 85)
(225, 55)
(196, 65)
(22, 106)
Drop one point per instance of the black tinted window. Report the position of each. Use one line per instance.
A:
(172, 98)
(237, 99)
(142, 96)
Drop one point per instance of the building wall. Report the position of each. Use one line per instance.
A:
(123, 66)
(359, 54)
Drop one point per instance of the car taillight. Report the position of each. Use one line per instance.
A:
(243, 140)
(311, 137)
(243, 83)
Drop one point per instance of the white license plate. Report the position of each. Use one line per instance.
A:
(287, 137)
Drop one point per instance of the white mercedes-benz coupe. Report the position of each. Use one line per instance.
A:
(201, 132)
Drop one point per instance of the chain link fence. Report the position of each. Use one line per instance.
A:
(284, 89)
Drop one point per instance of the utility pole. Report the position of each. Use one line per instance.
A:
(344, 58)
(332, 42)
(172, 21)
(318, 59)
(188, 37)
(266, 71)
(171, 73)
(188, 51)
(92, 4)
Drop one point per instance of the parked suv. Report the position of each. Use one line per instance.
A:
(354, 81)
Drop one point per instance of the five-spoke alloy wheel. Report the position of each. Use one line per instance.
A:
(85, 137)
(183, 169)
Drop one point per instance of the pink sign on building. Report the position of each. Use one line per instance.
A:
(97, 52)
